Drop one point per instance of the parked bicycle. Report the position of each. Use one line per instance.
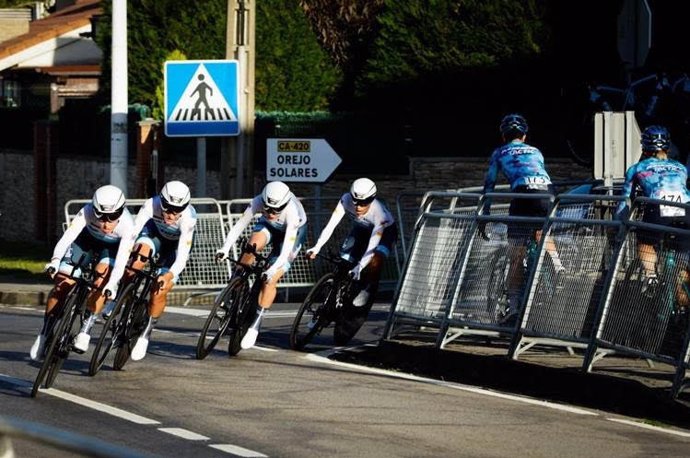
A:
(128, 318)
(235, 307)
(65, 323)
(329, 301)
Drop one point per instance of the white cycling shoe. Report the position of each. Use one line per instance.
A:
(81, 342)
(249, 338)
(139, 350)
(38, 348)
(361, 299)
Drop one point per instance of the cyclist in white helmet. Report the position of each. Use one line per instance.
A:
(371, 240)
(165, 227)
(101, 229)
(283, 224)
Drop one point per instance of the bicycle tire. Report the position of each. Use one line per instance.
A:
(316, 304)
(135, 307)
(109, 334)
(241, 315)
(219, 315)
(52, 359)
(496, 289)
(350, 319)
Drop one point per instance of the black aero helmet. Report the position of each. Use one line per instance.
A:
(655, 138)
(513, 125)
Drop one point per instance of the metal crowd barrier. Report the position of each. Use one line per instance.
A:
(640, 318)
(457, 278)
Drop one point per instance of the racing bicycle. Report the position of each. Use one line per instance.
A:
(330, 301)
(65, 323)
(235, 307)
(128, 318)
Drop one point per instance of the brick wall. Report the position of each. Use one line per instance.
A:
(78, 178)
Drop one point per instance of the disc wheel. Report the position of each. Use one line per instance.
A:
(241, 313)
(312, 316)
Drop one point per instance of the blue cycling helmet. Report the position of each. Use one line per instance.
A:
(514, 125)
(654, 139)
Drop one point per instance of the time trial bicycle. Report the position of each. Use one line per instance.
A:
(65, 323)
(235, 307)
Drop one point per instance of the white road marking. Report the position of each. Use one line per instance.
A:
(239, 451)
(456, 386)
(184, 434)
(652, 427)
(114, 411)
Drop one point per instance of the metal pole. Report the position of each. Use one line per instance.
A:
(118, 95)
(201, 167)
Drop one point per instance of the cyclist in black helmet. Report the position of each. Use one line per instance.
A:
(523, 167)
(658, 177)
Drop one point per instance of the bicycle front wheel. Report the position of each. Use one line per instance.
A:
(217, 321)
(134, 317)
(59, 340)
(314, 314)
(110, 332)
(241, 313)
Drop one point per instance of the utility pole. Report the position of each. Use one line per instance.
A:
(237, 153)
(119, 98)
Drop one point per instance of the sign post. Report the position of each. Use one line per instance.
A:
(309, 160)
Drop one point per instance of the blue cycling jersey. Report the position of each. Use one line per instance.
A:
(522, 165)
(663, 179)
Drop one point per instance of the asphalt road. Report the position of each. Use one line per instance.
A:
(271, 401)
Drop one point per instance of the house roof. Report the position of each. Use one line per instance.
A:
(53, 35)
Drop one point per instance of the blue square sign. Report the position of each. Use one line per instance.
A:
(201, 98)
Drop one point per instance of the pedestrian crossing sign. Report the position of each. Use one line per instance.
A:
(201, 98)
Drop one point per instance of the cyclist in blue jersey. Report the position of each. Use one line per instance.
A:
(101, 229)
(523, 167)
(658, 177)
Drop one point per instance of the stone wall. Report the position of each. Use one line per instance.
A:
(78, 178)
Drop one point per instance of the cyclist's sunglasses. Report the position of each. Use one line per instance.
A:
(171, 209)
(272, 210)
(108, 216)
(362, 202)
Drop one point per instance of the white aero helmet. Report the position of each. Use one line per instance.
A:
(275, 196)
(108, 202)
(363, 190)
(175, 196)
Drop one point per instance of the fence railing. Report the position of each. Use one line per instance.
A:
(575, 278)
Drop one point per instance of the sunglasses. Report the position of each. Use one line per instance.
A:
(272, 211)
(108, 216)
(362, 203)
(171, 209)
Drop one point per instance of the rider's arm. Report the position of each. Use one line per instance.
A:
(491, 173)
(184, 245)
(127, 237)
(622, 209)
(383, 220)
(288, 243)
(70, 235)
(327, 231)
(240, 225)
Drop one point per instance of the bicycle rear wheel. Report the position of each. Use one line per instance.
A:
(217, 321)
(497, 288)
(110, 332)
(352, 318)
(52, 362)
(314, 314)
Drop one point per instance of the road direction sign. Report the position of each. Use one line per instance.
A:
(201, 98)
(300, 159)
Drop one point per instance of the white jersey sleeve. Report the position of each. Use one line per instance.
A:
(382, 218)
(295, 218)
(327, 231)
(75, 227)
(184, 244)
(125, 228)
